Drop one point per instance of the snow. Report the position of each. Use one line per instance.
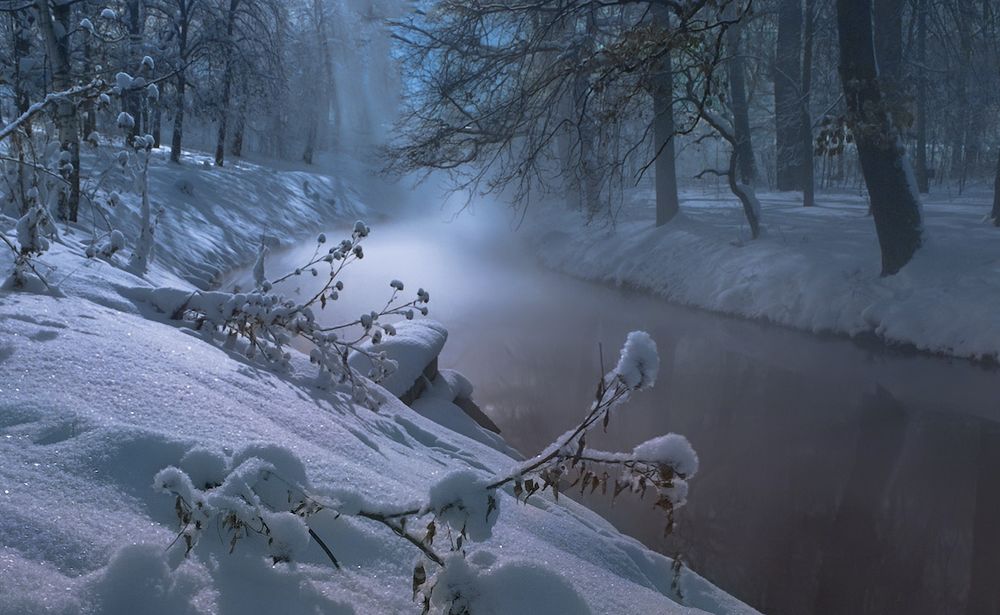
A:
(520, 586)
(815, 269)
(461, 500)
(639, 362)
(670, 449)
(123, 81)
(437, 403)
(416, 344)
(125, 120)
(100, 394)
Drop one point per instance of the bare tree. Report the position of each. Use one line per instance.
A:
(667, 203)
(55, 24)
(507, 91)
(788, 95)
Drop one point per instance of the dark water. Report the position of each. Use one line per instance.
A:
(835, 478)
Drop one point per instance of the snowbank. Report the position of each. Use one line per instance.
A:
(213, 219)
(100, 393)
(815, 269)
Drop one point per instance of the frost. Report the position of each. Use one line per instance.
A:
(639, 362)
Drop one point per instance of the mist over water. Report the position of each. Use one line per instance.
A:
(836, 477)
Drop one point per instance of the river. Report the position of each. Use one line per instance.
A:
(836, 477)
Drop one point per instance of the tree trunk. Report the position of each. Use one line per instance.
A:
(52, 17)
(89, 107)
(178, 133)
(220, 144)
(157, 115)
(996, 194)
(895, 204)
(227, 79)
(21, 28)
(922, 180)
(587, 127)
(888, 15)
(310, 149)
(788, 94)
(133, 100)
(667, 203)
(808, 170)
(564, 143)
(326, 87)
(741, 109)
(240, 129)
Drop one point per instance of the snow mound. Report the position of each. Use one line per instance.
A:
(416, 345)
(511, 587)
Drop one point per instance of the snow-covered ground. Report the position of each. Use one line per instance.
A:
(815, 269)
(99, 392)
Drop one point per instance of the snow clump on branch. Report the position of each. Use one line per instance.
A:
(639, 362)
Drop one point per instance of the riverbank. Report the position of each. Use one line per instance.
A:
(99, 392)
(815, 269)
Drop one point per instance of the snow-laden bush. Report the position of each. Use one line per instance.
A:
(255, 500)
(263, 322)
(33, 231)
(242, 507)
(138, 161)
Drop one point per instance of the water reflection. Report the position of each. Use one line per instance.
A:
(835, 478)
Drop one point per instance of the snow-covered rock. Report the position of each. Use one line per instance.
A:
(413, 349)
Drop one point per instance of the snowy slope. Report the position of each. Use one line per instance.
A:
(815, 269)
(213, 218)
(98, 394)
